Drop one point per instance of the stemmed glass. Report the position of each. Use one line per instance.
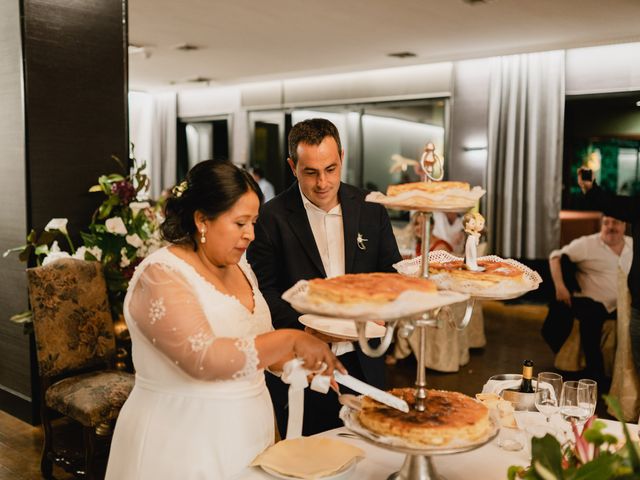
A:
(592, 393)
(575, 405)
(547, 395)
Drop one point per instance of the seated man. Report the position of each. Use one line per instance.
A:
(597, 258)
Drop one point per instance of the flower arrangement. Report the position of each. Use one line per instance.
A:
(123, 231)
(594, 455)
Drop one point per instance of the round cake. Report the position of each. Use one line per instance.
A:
(493, 272)
(448, 416)
(366, 287)
(428, 187)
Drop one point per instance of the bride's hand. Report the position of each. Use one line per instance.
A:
(314, 353)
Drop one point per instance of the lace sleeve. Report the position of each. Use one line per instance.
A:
(164, 308)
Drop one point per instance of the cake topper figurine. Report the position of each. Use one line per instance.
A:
(473, 224)
(430, 162)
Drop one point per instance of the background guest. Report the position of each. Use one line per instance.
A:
(597, 258)
(626, 209)
(265, 185)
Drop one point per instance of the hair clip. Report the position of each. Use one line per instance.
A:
(179, 189)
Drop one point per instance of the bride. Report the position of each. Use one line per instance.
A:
(202, 336)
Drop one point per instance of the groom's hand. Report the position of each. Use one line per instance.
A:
(322, 336)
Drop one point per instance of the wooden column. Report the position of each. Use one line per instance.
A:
(63, 94)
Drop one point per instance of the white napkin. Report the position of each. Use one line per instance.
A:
(296, 375)
(497, 386)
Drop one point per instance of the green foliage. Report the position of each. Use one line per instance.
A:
(592, 456)
(123, 230)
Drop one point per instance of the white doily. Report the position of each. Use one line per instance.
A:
(452, 200)
(503, 290)
(409, 303)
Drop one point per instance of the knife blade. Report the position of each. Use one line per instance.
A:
(371, 391)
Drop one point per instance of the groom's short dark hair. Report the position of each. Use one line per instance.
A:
(311, 132)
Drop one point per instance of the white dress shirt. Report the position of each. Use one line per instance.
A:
(597, 272)
(328, 232)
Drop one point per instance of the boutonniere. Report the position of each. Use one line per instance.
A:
(360, 242)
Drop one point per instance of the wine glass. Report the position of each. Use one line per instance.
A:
(592, 395)
(574, 402)
(547, 395)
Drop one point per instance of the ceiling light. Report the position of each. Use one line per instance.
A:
(402, 54)
(139, 50)
(186, 47)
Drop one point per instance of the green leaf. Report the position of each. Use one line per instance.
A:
(26, 253)
(602, 467)
(548, 455)
(632, 449)
(42, 250)
(31, 238)
(96, 188)
(46, 238)
(119, 162)
(545, 473)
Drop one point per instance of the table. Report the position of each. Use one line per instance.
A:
(489, 462)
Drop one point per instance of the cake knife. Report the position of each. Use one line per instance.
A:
(370, 391)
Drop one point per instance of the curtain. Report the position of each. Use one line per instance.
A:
(152, 130)
(524, 177)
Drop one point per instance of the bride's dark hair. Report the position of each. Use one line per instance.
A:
(211, 187)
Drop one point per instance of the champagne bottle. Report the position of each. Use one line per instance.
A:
(527, 372)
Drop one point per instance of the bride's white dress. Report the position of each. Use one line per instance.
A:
(199, 408)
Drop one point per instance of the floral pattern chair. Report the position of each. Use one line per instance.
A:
(75, 346)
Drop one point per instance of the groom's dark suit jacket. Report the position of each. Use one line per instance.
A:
(284, 251)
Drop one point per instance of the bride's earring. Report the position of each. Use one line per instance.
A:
(203, 239)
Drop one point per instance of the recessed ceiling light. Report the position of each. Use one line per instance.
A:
(139, 50)
(186, 47)
(402, 54)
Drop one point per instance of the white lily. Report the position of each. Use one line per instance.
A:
(80, 252)
(137, 206)
(57, 224)
(134, 240)
(96, 251)
(54, 254)
(116, 226)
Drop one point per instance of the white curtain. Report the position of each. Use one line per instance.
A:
(152, 131)
(524, 177)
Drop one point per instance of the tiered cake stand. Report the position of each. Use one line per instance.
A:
(418, 464)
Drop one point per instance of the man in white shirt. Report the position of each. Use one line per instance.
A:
(265, 185)
(598, 258)
(319, 227)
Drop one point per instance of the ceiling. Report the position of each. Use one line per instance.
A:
(254, 40)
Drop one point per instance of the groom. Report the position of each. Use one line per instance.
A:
(317, 228)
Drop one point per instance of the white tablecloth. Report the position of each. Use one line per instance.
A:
(489, 462)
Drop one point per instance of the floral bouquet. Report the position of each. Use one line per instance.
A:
(594, 455)
(123, 230)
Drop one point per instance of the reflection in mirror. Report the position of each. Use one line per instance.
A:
(201, 140)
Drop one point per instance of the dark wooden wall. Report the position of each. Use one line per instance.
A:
(70, 117)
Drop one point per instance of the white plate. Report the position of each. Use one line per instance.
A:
(342, 474)
(341, 327)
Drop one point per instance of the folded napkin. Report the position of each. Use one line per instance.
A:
(497, 386)
(308, 457)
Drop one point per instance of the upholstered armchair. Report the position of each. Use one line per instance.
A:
(75, 345)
